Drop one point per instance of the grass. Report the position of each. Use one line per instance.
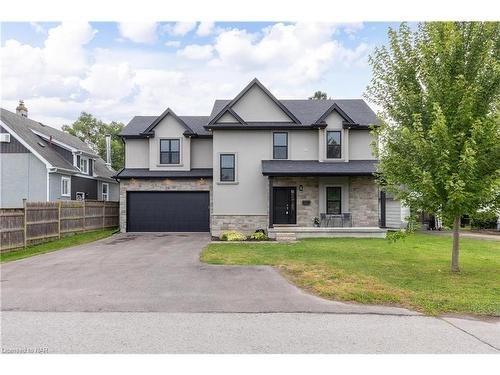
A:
(414, 272)
(47, 247)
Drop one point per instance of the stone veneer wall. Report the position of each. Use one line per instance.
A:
(310, 192)
(246, 224)
(155, 184)
(363, 201)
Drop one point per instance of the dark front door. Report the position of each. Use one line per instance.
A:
(285, 204)
(168, 211)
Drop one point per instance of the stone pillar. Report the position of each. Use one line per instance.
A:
(363, 201)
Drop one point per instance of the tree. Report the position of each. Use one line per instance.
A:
(438, 88)
(93, 132)
(319, 95)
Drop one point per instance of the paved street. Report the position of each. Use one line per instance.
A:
(148, 293)
(242, 333)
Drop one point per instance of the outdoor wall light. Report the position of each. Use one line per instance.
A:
(301, 188)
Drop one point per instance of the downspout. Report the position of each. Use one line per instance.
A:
(48, 185)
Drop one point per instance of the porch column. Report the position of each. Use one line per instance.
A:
(271, 219)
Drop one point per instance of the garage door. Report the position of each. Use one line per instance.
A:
(173, 211)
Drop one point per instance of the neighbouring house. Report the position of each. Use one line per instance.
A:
(40, 163)
(255, 162)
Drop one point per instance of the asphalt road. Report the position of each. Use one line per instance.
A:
(76, 332)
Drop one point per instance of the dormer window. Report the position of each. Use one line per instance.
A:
(84, 165)
(333, 144)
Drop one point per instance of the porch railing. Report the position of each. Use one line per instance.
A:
(330, 220)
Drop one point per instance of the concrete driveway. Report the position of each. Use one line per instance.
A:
(154, 273)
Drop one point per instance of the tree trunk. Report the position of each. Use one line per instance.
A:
(454, 255)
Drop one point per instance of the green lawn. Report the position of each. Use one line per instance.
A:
(414, 272)
(47, 247)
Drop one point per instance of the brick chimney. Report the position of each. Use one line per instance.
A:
(21, 109)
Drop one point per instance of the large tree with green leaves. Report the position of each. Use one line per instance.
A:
(93, 132)
(438, 87)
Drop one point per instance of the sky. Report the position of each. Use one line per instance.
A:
(118, 70)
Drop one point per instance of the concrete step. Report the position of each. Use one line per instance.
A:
(285, 237)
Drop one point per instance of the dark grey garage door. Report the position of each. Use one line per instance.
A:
(172, 211)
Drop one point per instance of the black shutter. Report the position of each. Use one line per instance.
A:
(78, 161)
(91, 167)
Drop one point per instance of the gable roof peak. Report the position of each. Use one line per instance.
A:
(167, 112)
(247, 88)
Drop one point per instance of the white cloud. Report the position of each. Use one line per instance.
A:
(196, 52)
(38, 28)
(182, 28)
(205, 28)
(65, 76)
(173, 43)
(139, 32)
(109, 81)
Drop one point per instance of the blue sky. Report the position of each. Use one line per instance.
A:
(118, 70)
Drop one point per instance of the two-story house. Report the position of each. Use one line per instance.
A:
(40, 163)
(255, 163)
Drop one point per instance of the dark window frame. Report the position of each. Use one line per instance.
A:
(336, 147)
(275, 147)
(222, 169)
(170, 154)
(334, 200)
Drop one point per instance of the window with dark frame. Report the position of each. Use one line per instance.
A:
(170, 151)
(280, 145)
(227, 167)
(333, 145)
(333, 200)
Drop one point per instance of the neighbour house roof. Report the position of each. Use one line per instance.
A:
(128, 173)
(317, 168)
(36, 135)
(303, 114)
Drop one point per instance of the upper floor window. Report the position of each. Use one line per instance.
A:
(170, 151)
(227, 168)
(333, 145)
(84, 165)
(280, 145)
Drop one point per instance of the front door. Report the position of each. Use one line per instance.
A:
(285, 204)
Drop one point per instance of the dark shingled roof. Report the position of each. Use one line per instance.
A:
(146, 173)
(24, 127)
(317, 168)
(140, 123)
(309, 111)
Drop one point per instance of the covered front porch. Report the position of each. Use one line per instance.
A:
(323, 199)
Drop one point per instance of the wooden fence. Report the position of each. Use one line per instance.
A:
(46, 221)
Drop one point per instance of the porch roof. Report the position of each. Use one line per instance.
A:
(317, 168)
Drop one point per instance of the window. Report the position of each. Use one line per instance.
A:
(105, 191)
(227, 167)
(280, 145)
(333, 200)
(333, 145)
(84, 165)
(65, 186)
(170, 151)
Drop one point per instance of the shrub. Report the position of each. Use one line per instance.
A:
(393, 236)
(484, 220)
(233, 236)
(259, 236)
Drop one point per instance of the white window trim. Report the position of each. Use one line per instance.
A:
(342, 151)
(102, 191)
(82, 158)
(235, 182)
(180, 164)
(68, 179)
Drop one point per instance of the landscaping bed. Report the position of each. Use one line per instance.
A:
(413, 272)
